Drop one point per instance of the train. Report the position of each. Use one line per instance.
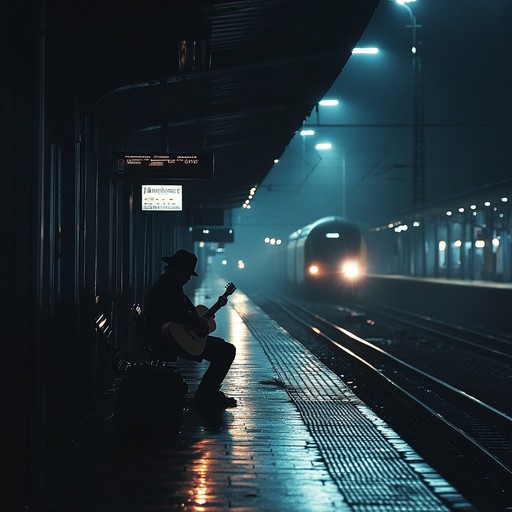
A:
(326, 256)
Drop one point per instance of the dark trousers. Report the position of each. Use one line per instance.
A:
(221, 354)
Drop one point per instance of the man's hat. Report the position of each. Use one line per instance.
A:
(183, 260)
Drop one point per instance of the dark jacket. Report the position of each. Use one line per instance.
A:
(167, 302)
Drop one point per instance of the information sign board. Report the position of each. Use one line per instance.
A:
(164, 165)
(162, 198)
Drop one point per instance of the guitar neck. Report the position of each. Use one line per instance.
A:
(230, 288)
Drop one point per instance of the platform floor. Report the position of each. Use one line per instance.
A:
(299, 441)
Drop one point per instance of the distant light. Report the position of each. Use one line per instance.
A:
(278, 241)
(313, 269)
(267, 240)
(457, 243)
(323, 145)
(224, 262)
(241, 264)
(504, 199)
(416, 224)
(461, 210)
(402, 2)
(306, 133)
(442, 245)
(449, 213)
(332, 235)
(329, 103)
(487, 203)
(480, 244)
(365, 51)
(496, 242)
(473, 206)
(276, 160)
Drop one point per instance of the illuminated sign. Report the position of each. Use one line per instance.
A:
(162, 198)
(165, 165)
(212, 234)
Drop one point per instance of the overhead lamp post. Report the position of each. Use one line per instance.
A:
(325, 103)
(323, 146)
(418, 180)
(369, 50)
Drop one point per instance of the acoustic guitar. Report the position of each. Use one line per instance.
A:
(187, 337)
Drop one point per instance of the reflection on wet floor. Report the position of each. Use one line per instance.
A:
(256, 456)
(280, 449)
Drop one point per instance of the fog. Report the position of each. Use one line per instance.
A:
(367, 175)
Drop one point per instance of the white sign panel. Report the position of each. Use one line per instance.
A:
(162, 198)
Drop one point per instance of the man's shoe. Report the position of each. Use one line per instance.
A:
(215, 400)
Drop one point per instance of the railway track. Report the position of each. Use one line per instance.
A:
(495, 345)
(481, 431)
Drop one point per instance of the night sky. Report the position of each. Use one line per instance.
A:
(466, 71)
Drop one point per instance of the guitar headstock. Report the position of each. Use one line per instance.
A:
(230, 288)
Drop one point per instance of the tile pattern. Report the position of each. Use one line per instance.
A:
(299, 441)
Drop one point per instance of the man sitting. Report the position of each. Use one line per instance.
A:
(167, 305)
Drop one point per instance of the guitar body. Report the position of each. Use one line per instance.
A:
(186, 336)
(201, 311)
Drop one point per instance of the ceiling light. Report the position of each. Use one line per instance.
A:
(329, 103)
(365, 51)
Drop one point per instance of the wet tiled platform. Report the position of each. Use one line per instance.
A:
(298, 441)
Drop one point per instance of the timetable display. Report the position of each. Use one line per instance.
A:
(165, 165)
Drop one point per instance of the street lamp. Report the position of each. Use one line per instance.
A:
(418, 180)
(329, 103)
(365, 51)
(322, 146)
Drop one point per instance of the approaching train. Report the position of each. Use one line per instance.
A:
(328, 255)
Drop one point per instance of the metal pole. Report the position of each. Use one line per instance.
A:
(418, 181)
(418, 176)
(343, 184)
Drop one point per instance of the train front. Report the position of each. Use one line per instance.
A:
(334, 257)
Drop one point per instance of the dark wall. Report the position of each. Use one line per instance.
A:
(74, 243)
(19, 161)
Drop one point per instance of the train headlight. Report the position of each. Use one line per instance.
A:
(351, 270)
(313, 270)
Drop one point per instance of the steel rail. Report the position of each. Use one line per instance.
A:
(501, 416)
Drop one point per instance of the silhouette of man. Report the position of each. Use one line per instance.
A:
(167, 304)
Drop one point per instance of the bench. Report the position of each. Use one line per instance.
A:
(140, 328)
(150, 398)
(119, 364)
(141, 332)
